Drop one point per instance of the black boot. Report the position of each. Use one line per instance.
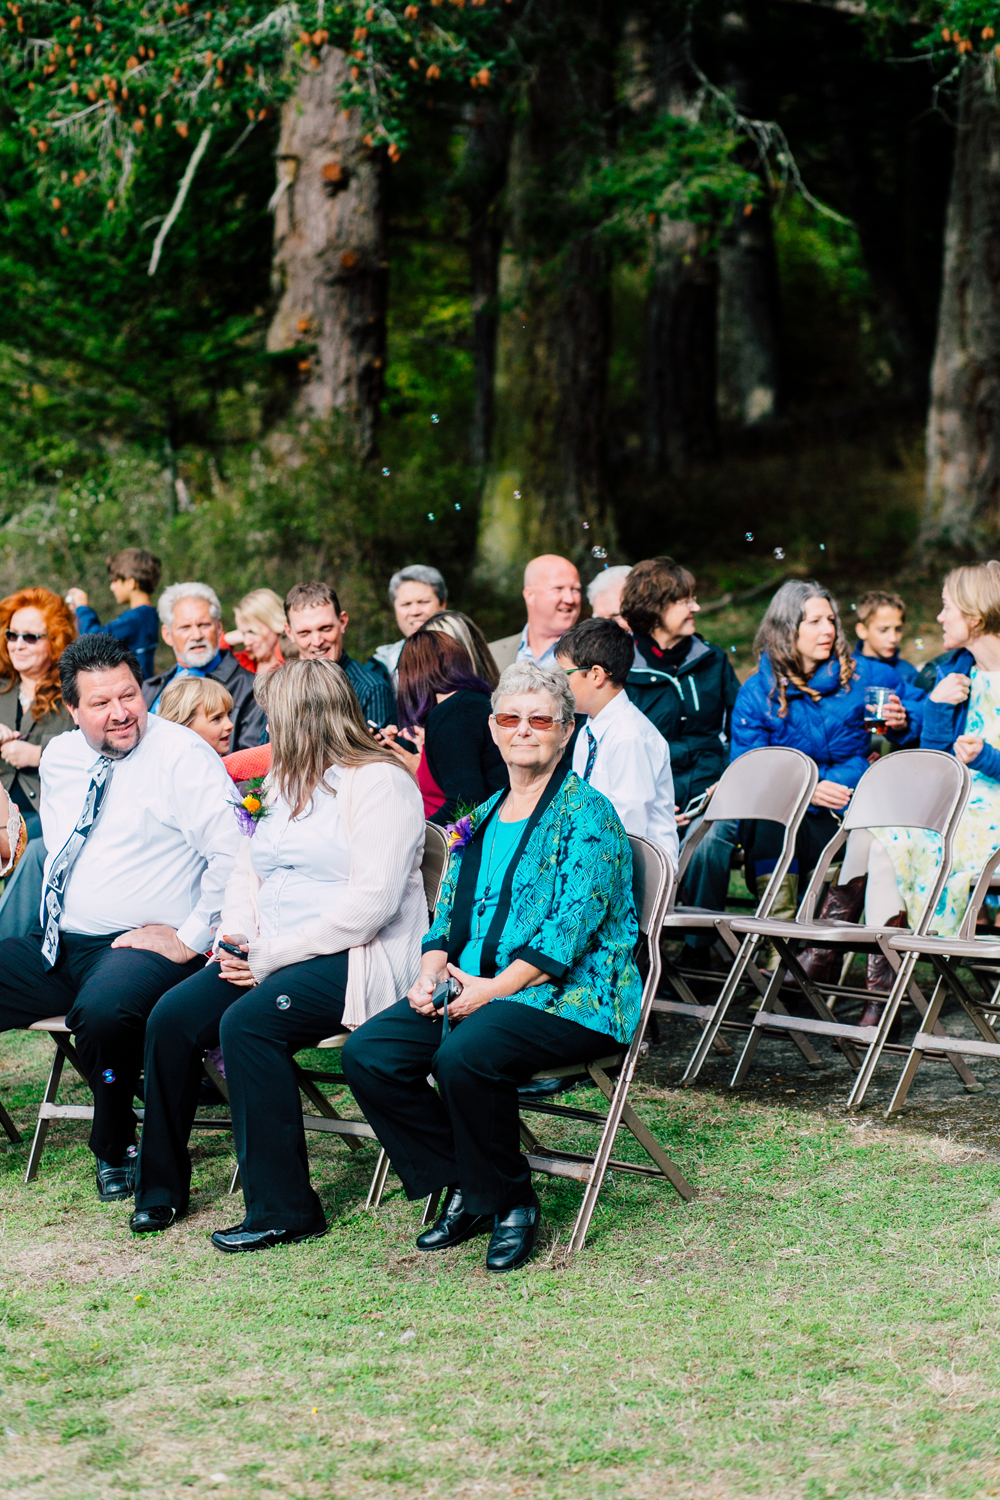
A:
(842, 903)
(880, 976)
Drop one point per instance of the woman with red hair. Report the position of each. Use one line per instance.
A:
(36, 626)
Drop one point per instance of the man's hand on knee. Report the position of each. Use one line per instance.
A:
(156, 938)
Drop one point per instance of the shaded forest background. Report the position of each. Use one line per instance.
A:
(138, 410)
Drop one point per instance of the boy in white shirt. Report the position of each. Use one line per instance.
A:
(618, 751)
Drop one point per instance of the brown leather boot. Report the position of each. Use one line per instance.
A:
(880, 976)
(843, 903)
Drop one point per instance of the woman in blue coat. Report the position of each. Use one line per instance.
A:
(809, 693)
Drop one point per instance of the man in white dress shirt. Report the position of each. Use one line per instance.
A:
(140, 839)
(552, 600)
(618, 750)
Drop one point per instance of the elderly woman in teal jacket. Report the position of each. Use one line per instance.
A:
(535, 929)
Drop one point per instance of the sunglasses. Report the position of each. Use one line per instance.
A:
(537, 721)
(29, 637)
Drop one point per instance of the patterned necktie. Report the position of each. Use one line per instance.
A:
(591, 754)
(63, 863)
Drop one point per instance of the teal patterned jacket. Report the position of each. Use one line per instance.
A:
(565, 906)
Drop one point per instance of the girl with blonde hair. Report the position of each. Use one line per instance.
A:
(321, 925)
(203, 705)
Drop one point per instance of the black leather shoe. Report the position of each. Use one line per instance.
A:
(514, 1237)
(238, 1240)
(115, 1184)
(454, 1225)
(152, 1220)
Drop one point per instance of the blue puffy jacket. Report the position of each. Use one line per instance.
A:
(909, 673)
(831, 730)
(944, 722)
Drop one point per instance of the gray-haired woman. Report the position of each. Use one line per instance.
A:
(536, 926)
(323, 917)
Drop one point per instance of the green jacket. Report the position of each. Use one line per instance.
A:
(35, 733)
(565, 906)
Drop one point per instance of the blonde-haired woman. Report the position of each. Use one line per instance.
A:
(202, 705)
(260, 625)
(326, 911)
(962, 717)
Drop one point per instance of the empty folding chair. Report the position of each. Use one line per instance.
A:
(922, 789)
(652, 880)
(774, 785)
(948, 955)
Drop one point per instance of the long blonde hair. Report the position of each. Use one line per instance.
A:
(315, 722)
(975, 593)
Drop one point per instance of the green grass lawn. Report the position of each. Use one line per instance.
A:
(821, 1321)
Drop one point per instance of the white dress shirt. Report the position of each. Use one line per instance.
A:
(303, 863)
(632, 769)
(164, 843)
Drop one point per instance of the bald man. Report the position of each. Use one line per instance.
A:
(552, 596)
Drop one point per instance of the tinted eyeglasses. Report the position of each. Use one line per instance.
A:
(29, 637)
(537, 721)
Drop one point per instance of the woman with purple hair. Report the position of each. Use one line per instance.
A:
(444, 707)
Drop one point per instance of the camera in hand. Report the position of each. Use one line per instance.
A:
(448, 989)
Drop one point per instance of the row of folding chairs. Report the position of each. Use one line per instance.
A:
(612, 1075)
(917, 789)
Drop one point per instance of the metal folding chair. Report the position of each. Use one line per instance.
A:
(923, 789)
(772, 784)
(652, 882)
(979, 957)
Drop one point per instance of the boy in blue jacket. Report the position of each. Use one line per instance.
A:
(134, 574)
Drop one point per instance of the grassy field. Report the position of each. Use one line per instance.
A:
(821, 1321)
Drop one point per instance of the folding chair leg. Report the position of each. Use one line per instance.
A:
(378, 1181)
(962, 996)
(431, 1208)
(235, 1183)
(916, 1056)
(756, 1033)
(10, 1129)
(726, 996)
(322, 1103)
(866, 1072)
(42, 1128)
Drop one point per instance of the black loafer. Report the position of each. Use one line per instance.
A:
(152, 1220)
(514, 1237)
(115, 1184)
(237, 1241)
(454, 1226)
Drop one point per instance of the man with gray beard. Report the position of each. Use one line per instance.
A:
(190, 618)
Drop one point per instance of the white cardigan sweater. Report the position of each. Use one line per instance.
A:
(381, 917)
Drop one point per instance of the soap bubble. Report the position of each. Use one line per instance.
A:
(458, 507)
(282, 1002)
(598, 552)
(517, 494)
(132, 1151)
(586, 525)
(822, 546)
(108, 1075)
(430, 515)
(779, 553)
(435, 418)
(733, 650)
(919, 644)
(385, 473)
(854, 607)
(749, 536)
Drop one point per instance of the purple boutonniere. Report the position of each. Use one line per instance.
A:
(459, 833)
(251, 808)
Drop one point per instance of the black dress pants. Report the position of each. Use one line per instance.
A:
(105, 994)
(260, 1030)
(762, 843)
(467, 1131)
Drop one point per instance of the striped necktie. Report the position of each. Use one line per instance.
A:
(59, 872)
(591, 754)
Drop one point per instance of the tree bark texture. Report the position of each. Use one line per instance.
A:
(963, 429)
(747, 321)
(329, 258)
(547, 475)
(680, 367)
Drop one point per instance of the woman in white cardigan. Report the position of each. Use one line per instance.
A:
(327, 904)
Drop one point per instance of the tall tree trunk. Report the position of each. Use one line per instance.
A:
(329, 256)
(963, 428)
(681, 321)
(547, 475)
(480, 181)
(748, 335)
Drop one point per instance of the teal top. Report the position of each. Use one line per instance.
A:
(500, 845)
(565, 906)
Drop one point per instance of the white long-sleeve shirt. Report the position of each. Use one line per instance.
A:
(632, 769)
(164, 843)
